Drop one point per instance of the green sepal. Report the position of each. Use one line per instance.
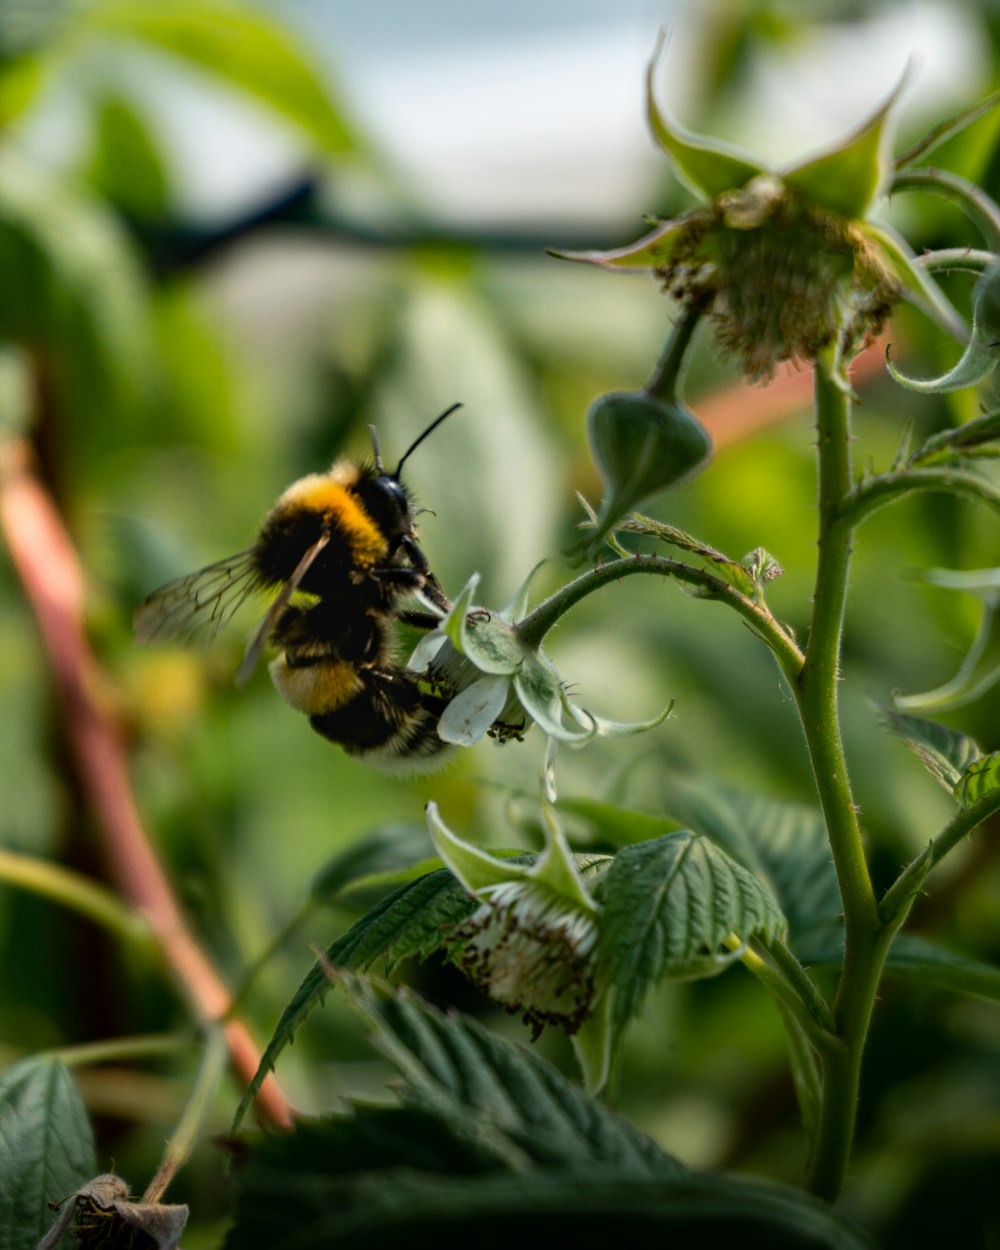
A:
(705, 166)
(476, 869)
(849, 178)
(982, 352)
(915, 283)
(981, 667)
(649, 252)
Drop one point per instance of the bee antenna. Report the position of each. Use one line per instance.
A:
(420, 438)
(379, 467)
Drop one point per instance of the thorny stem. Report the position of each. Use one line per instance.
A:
(533, 628)
(816, 692)
(53, 582)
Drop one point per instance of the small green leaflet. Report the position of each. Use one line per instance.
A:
(408, 922)
(672, 907)
(748, 576)
(981, 778)
(945, 753)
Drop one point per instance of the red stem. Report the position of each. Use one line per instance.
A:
(50, 572)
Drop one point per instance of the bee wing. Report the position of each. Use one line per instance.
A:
(257, 642)
(197, 606)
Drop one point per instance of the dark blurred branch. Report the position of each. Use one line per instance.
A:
(50, 572)
(175, 245)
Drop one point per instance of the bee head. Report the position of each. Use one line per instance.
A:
(396, 514)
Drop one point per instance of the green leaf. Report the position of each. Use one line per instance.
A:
(705, 166)
(283, 1192)
(847, 179)
(46, 1148)
(671, 907)
(485, 1086)
(409, 922)
(919, 959)
(87, 315)
(944, 131)
(616, 826)
(243, 49)
(495, 1148)
(981, 778)
(382, 851)
(784, 844)
(944, 752)
(125, 165)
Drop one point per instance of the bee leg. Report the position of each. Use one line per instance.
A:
(431, 587)
(420, 580)
(419, 620)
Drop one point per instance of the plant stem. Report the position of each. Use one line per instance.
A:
(189, 1127)
(71, 889)
(533, 628)
(818, 706)
(789, 994)
(46, 562)
(665, 379)
(896, 901)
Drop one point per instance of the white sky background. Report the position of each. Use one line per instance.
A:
(530, 112)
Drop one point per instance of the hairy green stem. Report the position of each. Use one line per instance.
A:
(867, 497)
(71, 889)
(897, 899)
(815, 1021)
(977, 205)
(189, 1128)
(533, 628)
(805, 987)
(818, 705)
(949, 259)
(665, 377)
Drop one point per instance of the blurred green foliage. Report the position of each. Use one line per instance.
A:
(181, 380)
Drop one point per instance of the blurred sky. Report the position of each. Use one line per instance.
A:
(508, 111)
(531, 111)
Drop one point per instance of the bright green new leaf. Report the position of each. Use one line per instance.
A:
(672, 902)
(245, 50)
(981, 778)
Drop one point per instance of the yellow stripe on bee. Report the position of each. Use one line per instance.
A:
(331, 494)
(317, 688)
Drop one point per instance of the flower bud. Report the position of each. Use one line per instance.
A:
(641, 445)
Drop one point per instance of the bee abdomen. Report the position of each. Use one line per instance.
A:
(389, 718)
(316, 684)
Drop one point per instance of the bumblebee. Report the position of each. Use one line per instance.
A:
(339, 552)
